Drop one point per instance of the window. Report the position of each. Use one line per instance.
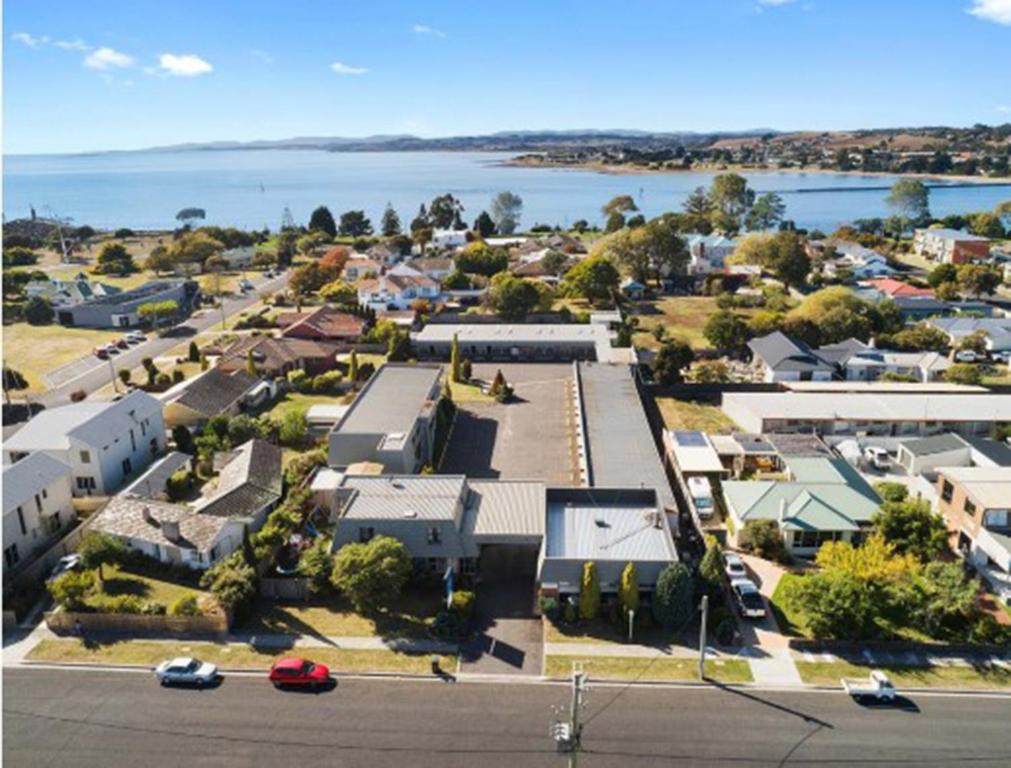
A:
(143, 428)
(45, 495)
(85, 483)
(127, 467)
(154, 446)
(969, 507)
(433, 536)
(21, 521)
(11, 556)
(133, 440)
(366, 534)
(38, 503)
(85, 457)
(947, 490)
(468, 566)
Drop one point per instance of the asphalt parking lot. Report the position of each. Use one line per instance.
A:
(531, 438)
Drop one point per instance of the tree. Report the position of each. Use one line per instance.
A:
(195, 248)
(910, 198)
(731, 199)
(712, 566)
(355, 224)
(698, 204)
(911, 527)
(293, 428)
(781, 254)
(963, 373)
(231, 580)
(891, 491)
(505, 211)
(946, 598)
(161, 259)
(764, 538)
(454, 359)
(767, 212)
(481, 259)
(672, 358)
(353, 367)
(100, 549)
(594, 278)
(339, 292)
(619, 204)
(615, 222)
(322, 221)
(875, 561)
(315, 566)
(153, 311)
(19, 256)
(978, 279)
(390, 224)
(837, 605)
(725, 330)
(589, 592)
(398, 348)
(286, 244)
(371, 574)
(628, 590)
(187, 216)
(832, 314)
(183, 439)
(114, 259)
(921, 337)
(986, 224)
(444, 211)
(250, 363)
(70, 589)
(513, 297)
(13, 381)
(38, 311)
(710, 372)
(673, 599)
(650, 251)
(942, 273)
(193, 354)
(484, 226)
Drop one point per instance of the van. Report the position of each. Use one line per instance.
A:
(702, 495)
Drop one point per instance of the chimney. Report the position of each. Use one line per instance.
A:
(170, 529)
(148, 517)
(782, 510)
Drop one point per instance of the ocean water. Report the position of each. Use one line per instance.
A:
(251, 188)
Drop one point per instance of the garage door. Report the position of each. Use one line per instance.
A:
(508, 561)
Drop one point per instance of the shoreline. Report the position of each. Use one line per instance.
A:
(627, 170)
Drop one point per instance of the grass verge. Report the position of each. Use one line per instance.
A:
(655, 669)
(830, 672)
(231, 655)
(691, 415)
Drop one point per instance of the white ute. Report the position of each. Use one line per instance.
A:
(876, 686)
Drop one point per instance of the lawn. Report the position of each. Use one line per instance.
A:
(295, 401)
(469, 393)
(830, 672)
(684, 317)
(655, 669)
(600, 631)
(37, 349)
(126, 282)
(231, 655)
(119, 581)
(694, 415)
(409, 617)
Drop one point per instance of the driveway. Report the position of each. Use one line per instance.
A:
(531, 438)
(509, 638)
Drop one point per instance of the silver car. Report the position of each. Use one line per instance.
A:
(186, 670)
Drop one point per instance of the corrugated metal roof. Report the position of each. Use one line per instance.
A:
(506, 508)
(391, 401)
(404, 497)
(926, 446)
(627, 533)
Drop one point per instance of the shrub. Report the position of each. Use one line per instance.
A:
(449, 625)
(837, 605)
(327, 382)
(152, 608)
(315, 566)
(628, 589)
(186, 605)
(123, 604)
(298, 379)
(179, 484)
(763, 538)
(70, 589)
(463, 603)
(38, 311)
(231, 581)
(589, 592)
(891, 491)
(549, 607)
(293, 428)
(371, 574)
(178, 375)
(673, 598)
(570, 613)
(78, 395)
(711, 568)
(466, 370)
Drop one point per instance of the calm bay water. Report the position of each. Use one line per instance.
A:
(250, 188)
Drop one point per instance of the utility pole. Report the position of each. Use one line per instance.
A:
(568, 735)
(702, 637)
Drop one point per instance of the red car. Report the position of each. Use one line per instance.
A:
(299, 672)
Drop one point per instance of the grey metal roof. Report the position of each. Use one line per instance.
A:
(927, 446)
(630, 531)
(620, 446)
(505, 508)
(997, 452)
(953, 234)
(152, 483)
(93, 422)
(391, 401)
(23, 479)
(214, 391)
(403, 497)
(782, 353)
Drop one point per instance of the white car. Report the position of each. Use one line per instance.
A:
(966, 356)
(877, 457)
(246, 285)
(748, 598)
(135, 337)
(65, 563)
(734, 566)
(1003, 356)
(187, 671)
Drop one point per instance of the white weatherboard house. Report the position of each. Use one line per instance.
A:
(38, 507)
(103, 443)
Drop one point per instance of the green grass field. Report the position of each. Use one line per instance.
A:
(683, 317)
(119, 581)
(37, 349)
(692, 415)
(655, 669)
(830, 672)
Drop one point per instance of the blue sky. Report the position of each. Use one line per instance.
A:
(125, 74)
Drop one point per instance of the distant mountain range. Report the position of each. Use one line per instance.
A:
(504, 141)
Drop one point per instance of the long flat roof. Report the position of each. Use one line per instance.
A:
(621, 452)
(858, 387)
(517, 333)
(872, 406)
(391, 401)
(693, 452)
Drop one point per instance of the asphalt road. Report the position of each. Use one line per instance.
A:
(110, 719)
(100, 375)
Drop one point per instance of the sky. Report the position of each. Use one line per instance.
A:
(128, 74)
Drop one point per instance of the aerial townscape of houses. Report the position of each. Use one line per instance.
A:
(511, 483)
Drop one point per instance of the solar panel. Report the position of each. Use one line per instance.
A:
(690, 439)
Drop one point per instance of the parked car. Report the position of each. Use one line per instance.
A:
(101, 353)
(111, 348)
(1001, 356)
(966, 356)
(64, 564)
(748, 598)
(877, 457)
(875, 686)
(301, 672)
(245, 285)
(135, 337)
(122, 343)
(734, 566)
(187, 671)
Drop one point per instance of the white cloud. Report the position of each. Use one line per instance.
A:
(183, 65)
(29, 40)
(998, 11)
(73, 45)
(1004, 108)
(345, 69)
(107, 58)
(424, 29)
